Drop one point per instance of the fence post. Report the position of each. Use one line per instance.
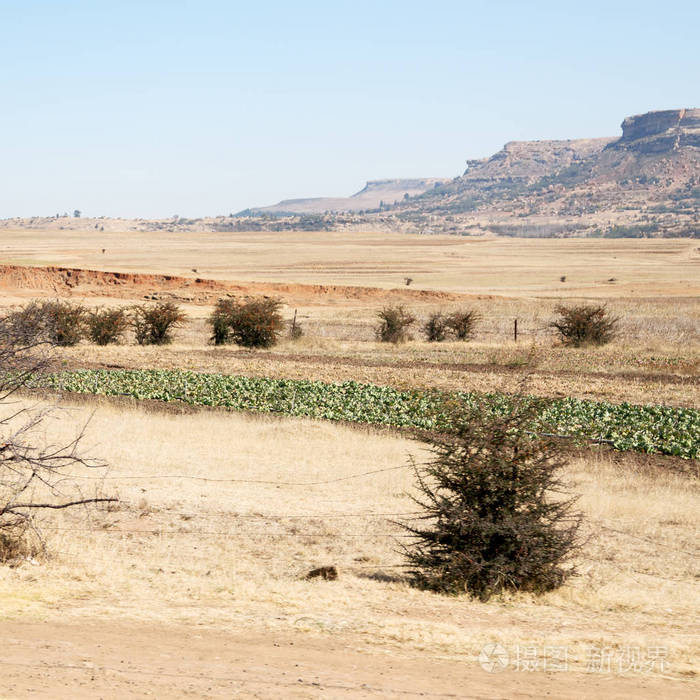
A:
(515, 330)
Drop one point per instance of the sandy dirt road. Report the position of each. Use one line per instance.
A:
(117, 660)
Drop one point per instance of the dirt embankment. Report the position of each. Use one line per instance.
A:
(65, 281)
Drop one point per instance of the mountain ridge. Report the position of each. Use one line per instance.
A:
(375, 194)
(642, 183)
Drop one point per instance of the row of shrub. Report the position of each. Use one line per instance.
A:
(252, 322)
(256, 322)
(395, 322)
(65, 324)
(584, 324)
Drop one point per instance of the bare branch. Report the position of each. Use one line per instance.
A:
(59, 505)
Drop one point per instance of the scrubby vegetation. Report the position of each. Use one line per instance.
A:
(494, 517)
(462, 323)
(585, 324)
(394, 322)
(106, 326)
(57, 322)
(253, 323)
(220, 321)
(435, 328)
(154, 323)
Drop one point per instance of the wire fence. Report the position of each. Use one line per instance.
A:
(264, 531)
(270, 482)
(258, 525)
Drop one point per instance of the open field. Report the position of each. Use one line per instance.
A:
(656, 293)
(221, 515)
(503, 266)
(195, 551)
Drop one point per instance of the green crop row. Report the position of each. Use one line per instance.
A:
(660, 429)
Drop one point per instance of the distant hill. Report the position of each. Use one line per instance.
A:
(646, 182)
(374, 195)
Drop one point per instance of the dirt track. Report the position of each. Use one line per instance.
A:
(46, 660)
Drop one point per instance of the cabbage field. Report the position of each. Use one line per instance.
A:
(650, 428)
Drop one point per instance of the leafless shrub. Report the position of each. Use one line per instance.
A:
(435, 328)
(463, 323)
(394, 322)
(33, 477)
(57, 322)
(107, 326)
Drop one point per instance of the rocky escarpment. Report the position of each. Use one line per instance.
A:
(530, 160)
(660, 132)
(644, 183)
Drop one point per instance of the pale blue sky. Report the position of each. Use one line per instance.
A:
(154, 108)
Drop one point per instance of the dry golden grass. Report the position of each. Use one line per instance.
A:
(228, 554)
(510, 266)
(233, 553)
(655, 292)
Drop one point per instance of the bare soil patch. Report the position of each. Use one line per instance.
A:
(113, 659)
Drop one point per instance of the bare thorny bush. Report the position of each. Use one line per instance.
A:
(585, 324)
(34, 477)
(394, 322)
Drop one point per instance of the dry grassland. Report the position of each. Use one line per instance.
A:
(210, 552)
(224, 553)
(502, 266)
(655, 292)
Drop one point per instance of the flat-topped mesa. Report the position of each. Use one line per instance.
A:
(660, 132)
(409, 184)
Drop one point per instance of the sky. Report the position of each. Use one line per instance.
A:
(155, 108)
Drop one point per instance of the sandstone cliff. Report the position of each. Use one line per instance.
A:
(660, 132)
(646, 182)
(534, 159)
